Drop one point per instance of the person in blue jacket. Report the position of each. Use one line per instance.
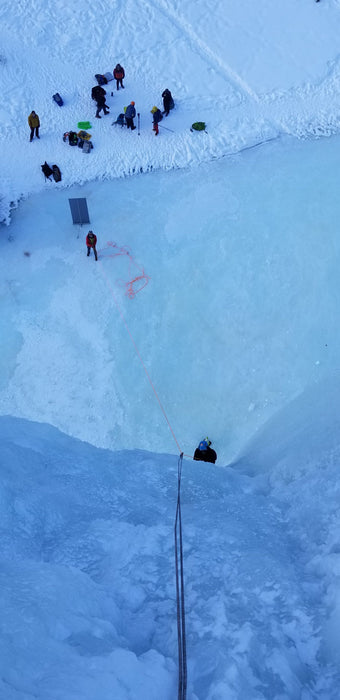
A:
(157, 116)
(130, 114)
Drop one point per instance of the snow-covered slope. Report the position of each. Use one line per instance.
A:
(251, 72)
(225, 277)
(87, 605)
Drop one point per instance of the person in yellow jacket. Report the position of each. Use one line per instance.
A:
(34, 123)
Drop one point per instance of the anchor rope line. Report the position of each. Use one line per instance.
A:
(182, 654)
(138, 354)
(137, 282)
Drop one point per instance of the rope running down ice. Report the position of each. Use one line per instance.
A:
(182, 654)
(182, 657)
(138, 354)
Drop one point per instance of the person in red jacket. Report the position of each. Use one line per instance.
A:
(91, 241)
(119, 74)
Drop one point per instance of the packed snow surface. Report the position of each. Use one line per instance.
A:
(251, 70)
(212, 310)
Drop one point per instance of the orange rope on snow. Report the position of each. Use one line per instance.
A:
(132, 288)
(135, 346)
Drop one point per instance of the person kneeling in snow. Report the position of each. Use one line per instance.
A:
(204, 453)
(91, 241)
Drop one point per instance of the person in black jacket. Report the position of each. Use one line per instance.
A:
(204, 453)
(98, 94)
(96, 91)
(168, 102)
(101, 104)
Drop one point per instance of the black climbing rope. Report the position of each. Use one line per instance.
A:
(182, 655)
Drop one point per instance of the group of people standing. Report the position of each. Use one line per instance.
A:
(99, 95)
(157, 115)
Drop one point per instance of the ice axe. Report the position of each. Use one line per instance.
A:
(165, 127)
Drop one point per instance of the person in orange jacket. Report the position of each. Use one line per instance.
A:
(119, 74)
(34, 123)
(91, 241)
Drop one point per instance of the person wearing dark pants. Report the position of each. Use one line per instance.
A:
(101, 104)
(118, 75)
(91, 240)
(168, 102)
(130, 114)
(34, 123)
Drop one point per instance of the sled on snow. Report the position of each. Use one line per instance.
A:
(84, 125)
(58, 99)
(198, 126)
(101, 79)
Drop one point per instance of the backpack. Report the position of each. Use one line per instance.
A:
(101, 80)
(56, 173)
(84, 135)
(82, 143)
(72, 138)
(47, 170)
(87, 145)
(120, 119)
(198, 126)
(58, 99)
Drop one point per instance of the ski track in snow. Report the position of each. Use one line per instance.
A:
(206, 52)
